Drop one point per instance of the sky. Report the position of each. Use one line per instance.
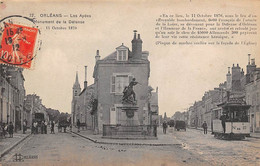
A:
(181, 73)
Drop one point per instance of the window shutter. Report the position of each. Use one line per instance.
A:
(113, 84)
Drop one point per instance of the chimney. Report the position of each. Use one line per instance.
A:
(137, 46)
(85, 82)
(97, 57)
(250, 67)
(229, 79)
(253, 62)
(236, 78)
(228, 96)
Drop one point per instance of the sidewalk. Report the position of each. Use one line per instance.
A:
(163, 139)
(7, 144)
(253, 135)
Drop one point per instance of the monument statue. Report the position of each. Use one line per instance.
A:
(129, 94)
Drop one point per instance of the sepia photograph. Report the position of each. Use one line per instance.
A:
(125, 83)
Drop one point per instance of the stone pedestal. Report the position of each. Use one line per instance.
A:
(131, 116)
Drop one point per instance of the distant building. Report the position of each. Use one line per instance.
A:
(32, 105)
(81, 103)
(238, 85)
(253, 95)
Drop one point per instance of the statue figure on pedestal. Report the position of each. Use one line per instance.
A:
(129, 94)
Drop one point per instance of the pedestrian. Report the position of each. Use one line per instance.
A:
(42, 127)
(24, 126)
(11, 130)
(5, 127)
(45, 127)
(155, 130)
(70, 124)
(52, 127)
(223, 122)
(78, 125)
(32, 129)
(35, 126)
(205, 127)
(164, 127)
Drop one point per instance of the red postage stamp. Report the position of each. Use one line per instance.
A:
(18, 45)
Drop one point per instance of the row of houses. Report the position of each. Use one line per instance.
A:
(239, 85)
(12, 93)
(100, 103)
(15, 105)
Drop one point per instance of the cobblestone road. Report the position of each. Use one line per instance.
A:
(68, 149)
(220, 152)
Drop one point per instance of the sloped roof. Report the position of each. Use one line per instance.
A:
(111, 56)
(88, 87)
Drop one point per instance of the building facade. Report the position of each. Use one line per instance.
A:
(113, 73)
(253, 96)
(12, 96)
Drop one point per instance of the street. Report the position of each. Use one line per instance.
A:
(220, 152)
(197, 149)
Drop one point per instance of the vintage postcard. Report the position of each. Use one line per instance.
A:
(159, 82)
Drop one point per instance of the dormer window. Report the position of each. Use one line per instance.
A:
(122, 53)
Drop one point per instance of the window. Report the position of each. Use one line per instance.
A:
(119, 82)
(122, 55)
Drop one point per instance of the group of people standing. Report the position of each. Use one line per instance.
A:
(42, 125)
(8, 128)
(36, 128)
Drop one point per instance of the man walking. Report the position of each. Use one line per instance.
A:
(52, 127)
(42, 127)
(164, 127)
(11, 130)
(45, 127)
(5, 129)
(78, 125)
(35, 127)
(223, 122)
(24, 126)
(205, 127)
